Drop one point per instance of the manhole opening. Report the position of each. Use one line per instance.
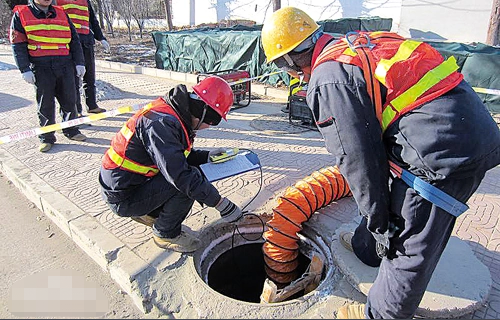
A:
(239, 273)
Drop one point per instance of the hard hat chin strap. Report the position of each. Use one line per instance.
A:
(200, 121)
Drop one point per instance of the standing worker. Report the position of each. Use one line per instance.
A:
(375, 97)
(150, 171)
(46, 49)
(83, 18)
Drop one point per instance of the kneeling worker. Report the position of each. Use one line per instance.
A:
(150, 171)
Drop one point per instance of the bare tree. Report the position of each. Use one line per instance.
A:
(168, 14)
(124, 9)
(97, 5)
(493, 37)
(108, 11)
(140, 13)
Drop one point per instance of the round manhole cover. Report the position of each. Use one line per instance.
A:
(276, 123)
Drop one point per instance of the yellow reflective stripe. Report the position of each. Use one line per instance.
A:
(349, 52)
(127, 133)
(387, 115)
(404, 52)
(187, 152)
(121, 162)
(46, 27)
(430, 79)
(47, 47)
(78, 17)
(48, 39)
(75, 6)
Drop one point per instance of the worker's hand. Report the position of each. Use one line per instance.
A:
(229, 212)
(214, 153)
(29, 77)
(105, 45)
(80, 71)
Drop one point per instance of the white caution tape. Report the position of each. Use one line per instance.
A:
(487, 91)
(70, 123)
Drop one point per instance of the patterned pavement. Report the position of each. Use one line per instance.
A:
(287, 153)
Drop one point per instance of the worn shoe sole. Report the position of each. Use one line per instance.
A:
(345, 239)
(145, 220)
(165, 244)
(78, 137)
(96, 110)
(351, 311)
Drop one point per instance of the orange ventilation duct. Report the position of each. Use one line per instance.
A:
(300, 201)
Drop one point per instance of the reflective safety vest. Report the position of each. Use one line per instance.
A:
(78, 11)
(117, 156)
(412, 71)
(46, 37)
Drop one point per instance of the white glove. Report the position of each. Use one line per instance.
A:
(29, 77)
(106, 45)
(229, 212)
(80, 71)
(214, 153)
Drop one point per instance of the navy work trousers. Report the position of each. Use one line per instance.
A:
(88, 80)
(159, 199)
(55, 82)
(415, 250)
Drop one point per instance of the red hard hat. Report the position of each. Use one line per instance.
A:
(217, 93)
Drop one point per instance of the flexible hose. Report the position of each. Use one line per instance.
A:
(296, 206)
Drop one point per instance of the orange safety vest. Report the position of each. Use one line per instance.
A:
(78, 11)
(412, 71)
(117, 157)
(46, 37)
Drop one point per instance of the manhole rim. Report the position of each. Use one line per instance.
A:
(317, 294)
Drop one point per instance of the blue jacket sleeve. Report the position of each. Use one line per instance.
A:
(346, 118)
(19, 44)
(163, 141)
(74, 46)
(94, 24)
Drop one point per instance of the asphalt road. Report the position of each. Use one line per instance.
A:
(33, 247)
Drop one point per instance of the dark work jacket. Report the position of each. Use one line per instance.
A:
(443, 138)
(20, 49)
(159, 139)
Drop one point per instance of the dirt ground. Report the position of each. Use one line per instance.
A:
(139, 51)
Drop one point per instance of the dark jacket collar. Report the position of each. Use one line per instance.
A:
(178, 98)
(51, 13)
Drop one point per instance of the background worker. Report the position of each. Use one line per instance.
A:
(46, 49)
(430, 122)
(150, 171)
(83, 18)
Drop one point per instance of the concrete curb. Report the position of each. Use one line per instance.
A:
(99, 243)
(185, 77)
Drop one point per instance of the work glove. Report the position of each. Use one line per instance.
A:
(80, 71)
(215, 152)
(229, 212)
(106, 45)
(29, 77)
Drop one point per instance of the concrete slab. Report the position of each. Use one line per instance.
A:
(460, 284)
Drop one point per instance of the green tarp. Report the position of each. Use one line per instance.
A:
(216, 49)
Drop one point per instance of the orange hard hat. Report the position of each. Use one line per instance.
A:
(216, 93)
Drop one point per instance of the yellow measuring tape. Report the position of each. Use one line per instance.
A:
(70, 123)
